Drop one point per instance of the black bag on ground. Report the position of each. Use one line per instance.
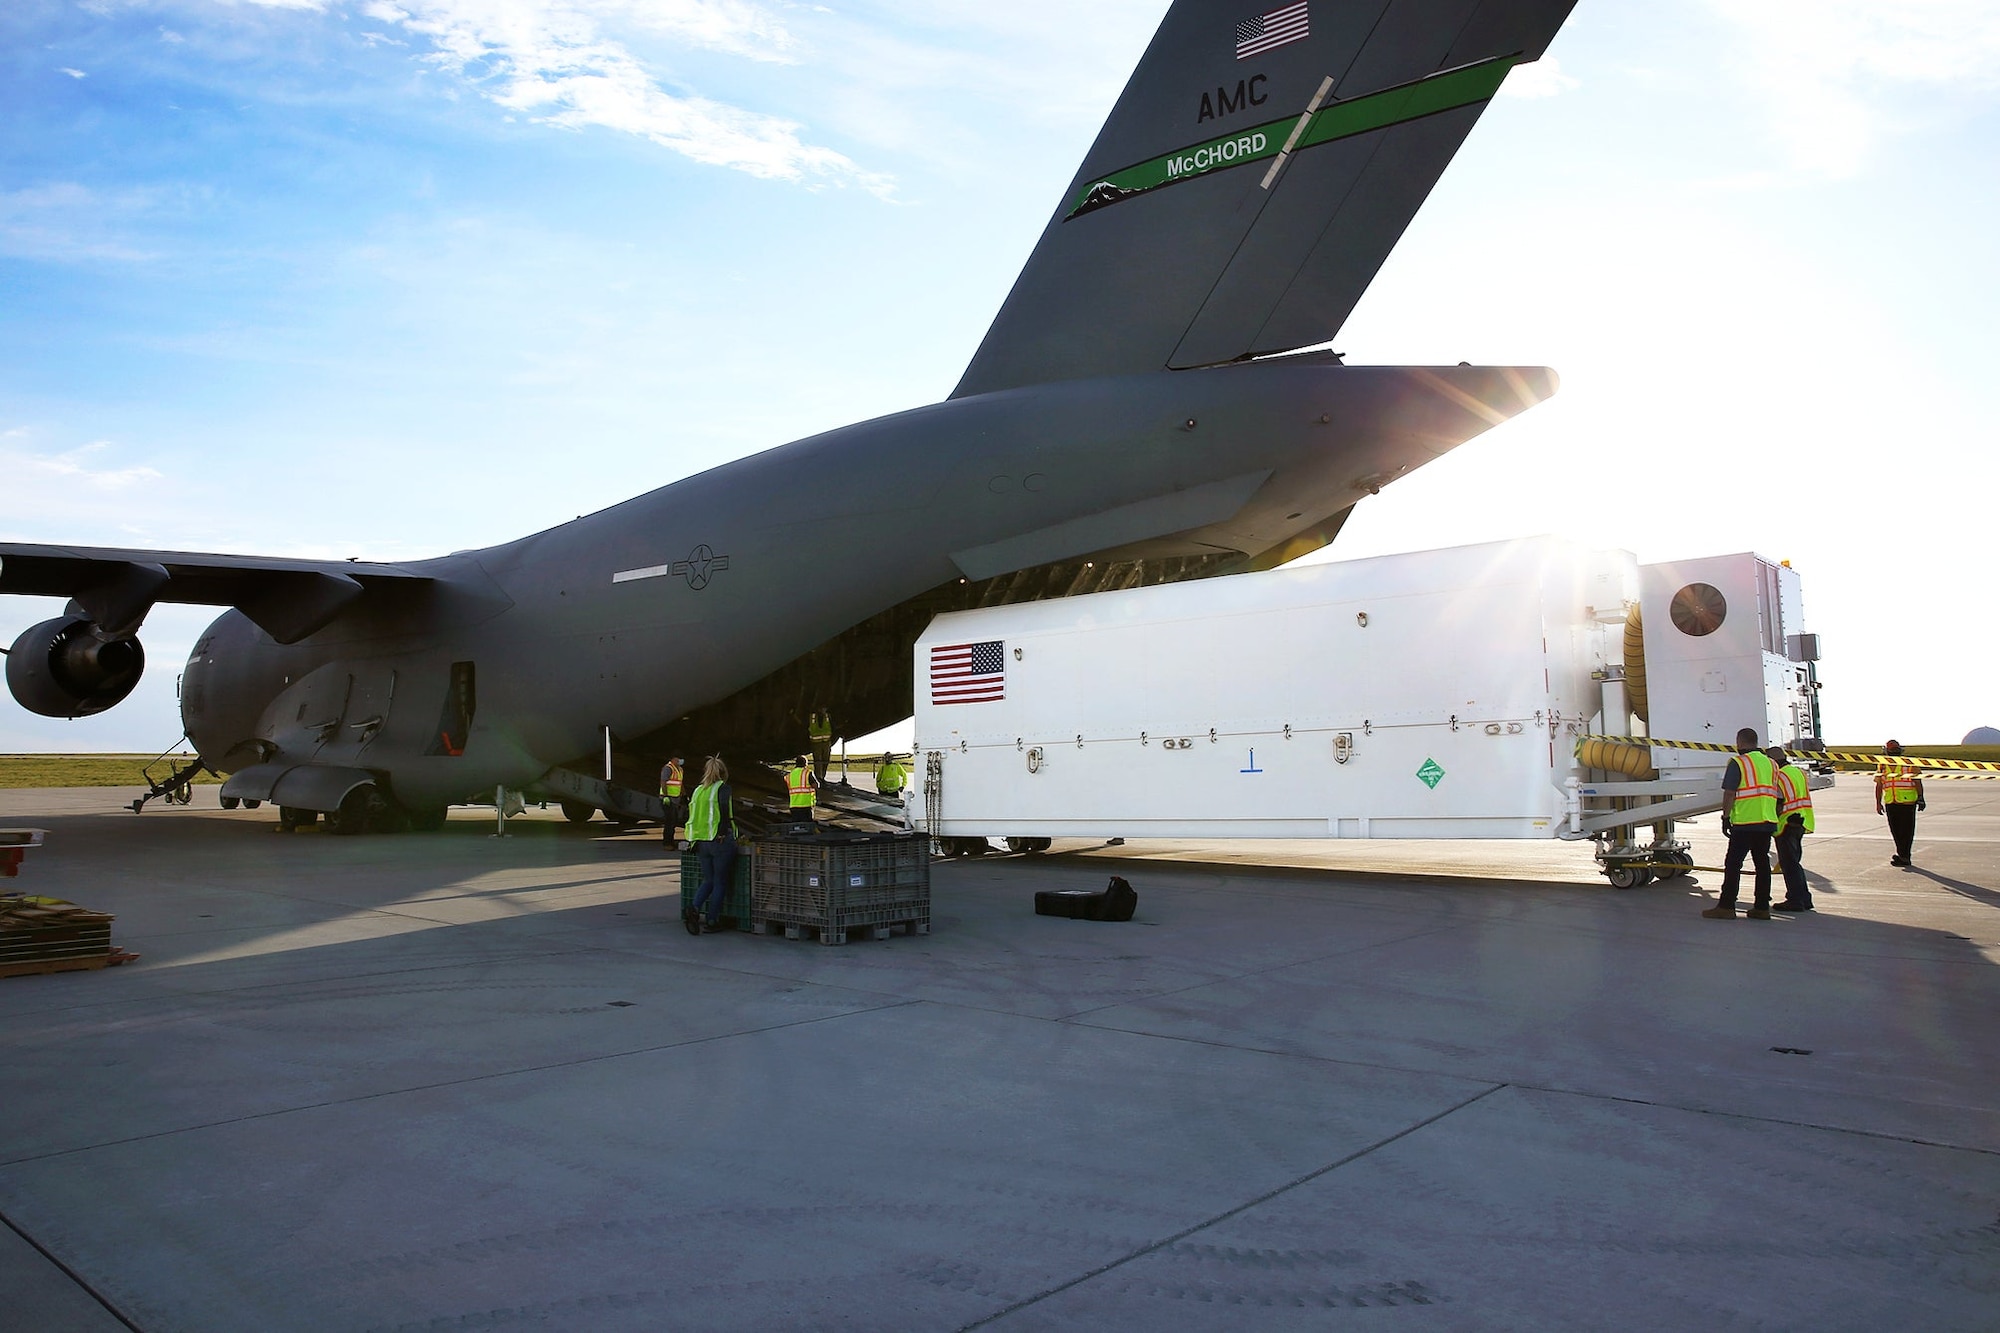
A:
(1120, 900)
(1115, 902)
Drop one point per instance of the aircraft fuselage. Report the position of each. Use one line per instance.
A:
(639, 614)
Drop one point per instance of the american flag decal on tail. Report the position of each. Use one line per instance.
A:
(1279, 27)
(969, 673)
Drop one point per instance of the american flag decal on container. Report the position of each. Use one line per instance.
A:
(969, 673)
(1281, 26)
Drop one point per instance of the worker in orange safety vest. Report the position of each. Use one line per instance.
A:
(670, 797)
(801, 786)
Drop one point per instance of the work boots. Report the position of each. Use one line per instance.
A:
(1721, 912)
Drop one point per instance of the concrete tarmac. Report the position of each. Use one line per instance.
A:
(451, 1081)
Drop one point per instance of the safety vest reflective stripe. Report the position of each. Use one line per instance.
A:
(1797, 792)
(703, 821)
(799, 784)
(1899, 785)
(1756, 791)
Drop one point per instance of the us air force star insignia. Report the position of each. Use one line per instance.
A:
(701, 565)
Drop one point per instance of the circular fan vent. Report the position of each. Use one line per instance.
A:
(1698, 609)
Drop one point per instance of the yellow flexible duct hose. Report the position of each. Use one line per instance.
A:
(1621, 757)
(1635, 665)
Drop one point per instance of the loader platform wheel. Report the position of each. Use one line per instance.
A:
(578, 812)
(1627, 877)
(1682, 863)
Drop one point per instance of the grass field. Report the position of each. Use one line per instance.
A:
(85, 770)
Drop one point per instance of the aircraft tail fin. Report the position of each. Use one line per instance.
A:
(1262, 161)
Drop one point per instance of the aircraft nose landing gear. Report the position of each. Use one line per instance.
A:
(177, 788)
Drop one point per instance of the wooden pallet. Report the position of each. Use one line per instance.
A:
(86, 963)
(43, 935)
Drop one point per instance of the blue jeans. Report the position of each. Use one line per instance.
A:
(714, 861)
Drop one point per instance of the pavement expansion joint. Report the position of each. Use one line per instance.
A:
(1238, 1210)
(70, 1273)
(1744, 1116)
(487, 1077)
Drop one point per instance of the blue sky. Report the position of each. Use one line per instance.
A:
(392, 279)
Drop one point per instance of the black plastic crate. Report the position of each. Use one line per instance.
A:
(736, 907)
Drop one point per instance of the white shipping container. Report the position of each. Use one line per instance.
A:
(1432, 695)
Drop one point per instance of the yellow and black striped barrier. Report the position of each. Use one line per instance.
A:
(1849, 758)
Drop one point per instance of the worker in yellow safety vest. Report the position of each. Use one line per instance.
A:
(711, 827)
(1795, 820)
(1899, 794)
(670, 797)
(801, 785)
(1749, 817)
(890, 775)
(820, 730)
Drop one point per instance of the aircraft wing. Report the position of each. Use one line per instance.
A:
(287, 599)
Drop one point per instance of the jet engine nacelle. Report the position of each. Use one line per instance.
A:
(68, 667)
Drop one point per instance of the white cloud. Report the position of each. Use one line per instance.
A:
(1841, 74)
(1543, 78)
(73, 73)
(563, 63)
(64, 486)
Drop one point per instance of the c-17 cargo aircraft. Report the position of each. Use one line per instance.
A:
(1140, 411)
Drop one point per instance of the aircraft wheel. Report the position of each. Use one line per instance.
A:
(428, 821)
(250, 804)
(231, 802)
(183, 794)
(290, 818)
(363, 810)
(578, 812)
